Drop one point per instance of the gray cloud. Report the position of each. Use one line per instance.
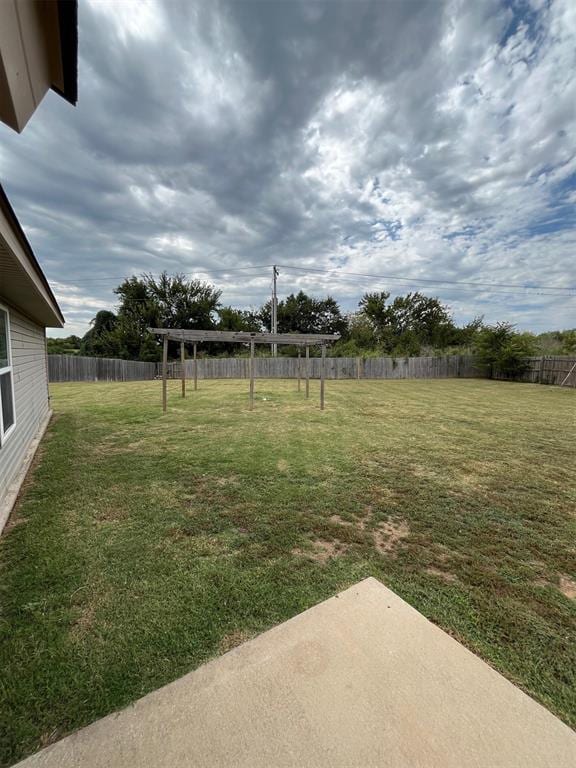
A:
(434, 140)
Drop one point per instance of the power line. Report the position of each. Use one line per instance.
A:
(429, 280)
(350, 276)
(465, 290)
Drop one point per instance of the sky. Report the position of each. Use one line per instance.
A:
(359, 145)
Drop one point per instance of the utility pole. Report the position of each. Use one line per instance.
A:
(274, 308)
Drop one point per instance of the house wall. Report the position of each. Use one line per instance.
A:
(30, 377)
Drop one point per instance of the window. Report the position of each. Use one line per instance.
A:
(7, 414)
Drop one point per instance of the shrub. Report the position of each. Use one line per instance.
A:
(501, 349)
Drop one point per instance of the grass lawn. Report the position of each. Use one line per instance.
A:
(146, 544)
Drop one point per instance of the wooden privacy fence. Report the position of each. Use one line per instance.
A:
(549, 369)
(543, 370)
(448, 366)
(73, 368)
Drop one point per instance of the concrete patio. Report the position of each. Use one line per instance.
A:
(360, 680)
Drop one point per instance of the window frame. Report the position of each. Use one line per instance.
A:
(9, 369)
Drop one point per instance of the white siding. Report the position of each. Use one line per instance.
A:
(30, 393)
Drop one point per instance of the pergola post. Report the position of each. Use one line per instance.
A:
(322, 376)
(164, 372)
(195, 368)
(298, 367)
(183, 367)
(307, 371)
(252, 375)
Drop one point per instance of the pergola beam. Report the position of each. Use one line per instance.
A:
(245, 337)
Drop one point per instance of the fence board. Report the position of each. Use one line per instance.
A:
(447, 366)
(74, 368)
(547, 370)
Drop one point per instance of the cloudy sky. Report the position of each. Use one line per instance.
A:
(359, 145)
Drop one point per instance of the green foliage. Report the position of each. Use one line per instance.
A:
(68, 345)
(501, 349)
(403, 326)
(300, 313)
(166, 302)
(101, 340)
(567, 341)
(409, 325)
(231, 319)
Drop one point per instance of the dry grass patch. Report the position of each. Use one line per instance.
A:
(323, 550)
(388, 534)
(568, 587)
(340, 521)
(110, 514)
(449, 578)
(49, 737)
(232, 640)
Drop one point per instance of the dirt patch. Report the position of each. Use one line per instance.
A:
(323, 550)
(282, 465)
(449, 578)
(388, 534)
(233, 639)
(568, 587)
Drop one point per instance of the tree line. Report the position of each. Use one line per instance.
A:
(408, 325)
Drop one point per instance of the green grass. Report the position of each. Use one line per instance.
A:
(146, 544)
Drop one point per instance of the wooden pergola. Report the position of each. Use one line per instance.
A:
(299, 340)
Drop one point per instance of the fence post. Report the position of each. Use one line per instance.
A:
(541, 370)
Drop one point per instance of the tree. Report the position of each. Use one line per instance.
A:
(101, 339)
(567, 340)
(501, 349)
(171, 301)
(408, 322)
(466, 336)
(300, 313)
(231, 319)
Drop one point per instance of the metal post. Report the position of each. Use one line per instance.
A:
(307, 371)
(183, 367)
(298, 366)
(195, 369)
(251, 375)
(322, 376)
(164, 371)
